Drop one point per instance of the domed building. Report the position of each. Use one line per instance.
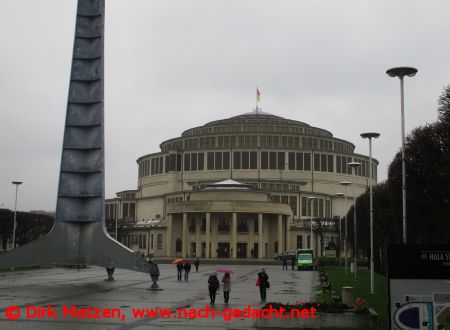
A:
(242, 187)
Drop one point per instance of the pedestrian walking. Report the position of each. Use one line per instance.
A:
(179, 270)
(154, 273)
(213, 286)
(187, 269)
(263, 283)
(226, 280)
(285, 262)
(196, 264)
(293, 263)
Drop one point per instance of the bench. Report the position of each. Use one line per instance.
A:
(326, 286)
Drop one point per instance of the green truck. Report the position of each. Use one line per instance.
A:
(305, 259)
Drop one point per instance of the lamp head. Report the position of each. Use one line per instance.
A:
(402, 71)
(312, 197)
(370, 135)
(346, 183)
(17, 182)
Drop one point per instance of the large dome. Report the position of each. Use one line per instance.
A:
(243, 131)
(261, 120)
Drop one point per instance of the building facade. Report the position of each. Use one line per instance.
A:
(242, 187)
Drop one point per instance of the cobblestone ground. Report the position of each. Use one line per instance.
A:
(58, 289)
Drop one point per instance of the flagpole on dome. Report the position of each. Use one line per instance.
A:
(258, 97)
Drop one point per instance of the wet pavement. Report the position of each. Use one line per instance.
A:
(64, 298)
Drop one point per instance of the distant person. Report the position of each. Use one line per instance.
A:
(293, 263)
(285, 262)
(179, 270)
(263, 284)
(187, 270)
(196, 264)
(226, 280)
(317, 264)
(154, 273)
(213, 286)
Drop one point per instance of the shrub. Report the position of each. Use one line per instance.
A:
(360, 306)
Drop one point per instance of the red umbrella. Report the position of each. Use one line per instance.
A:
(177, 261)
(224, 270)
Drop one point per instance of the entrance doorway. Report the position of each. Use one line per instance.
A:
(192, 250)
(255, 250)
(223, 250)
(241, 250)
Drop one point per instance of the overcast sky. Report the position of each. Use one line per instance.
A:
(172, 65)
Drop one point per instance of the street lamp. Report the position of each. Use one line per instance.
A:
(345, 184)
(117, 215)
(369, 136)
(354, 165)
(17, 183)
(339, 195)
(310, 208)
(400, 72)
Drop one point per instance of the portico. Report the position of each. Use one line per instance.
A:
(228, 223)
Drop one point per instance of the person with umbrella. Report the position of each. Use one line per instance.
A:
(226, 280)
(179, 265)
(213, 286)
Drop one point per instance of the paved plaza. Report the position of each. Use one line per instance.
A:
(62, 288)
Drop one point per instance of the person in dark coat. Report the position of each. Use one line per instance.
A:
(180, 270)
(153, 270)
(263, 284)
(213, 286)
(285, 262)
(293, 263)
(196, 264)
(226, 280)
(187, 269)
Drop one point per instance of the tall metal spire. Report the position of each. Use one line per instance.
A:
(79, 235)
(81, 190)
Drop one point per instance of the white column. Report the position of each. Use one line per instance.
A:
(251, 236)
(184, 237)
(169, 235)
(260, 236)
(288, 232)
(208, 235)
(198, 243)
(280, 233)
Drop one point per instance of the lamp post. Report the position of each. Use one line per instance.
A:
(345, 184)
(355, 166)
(369, 136)
(401, 72)
(312, 212)
(17, 183)
(117, 215)
(339, 195)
